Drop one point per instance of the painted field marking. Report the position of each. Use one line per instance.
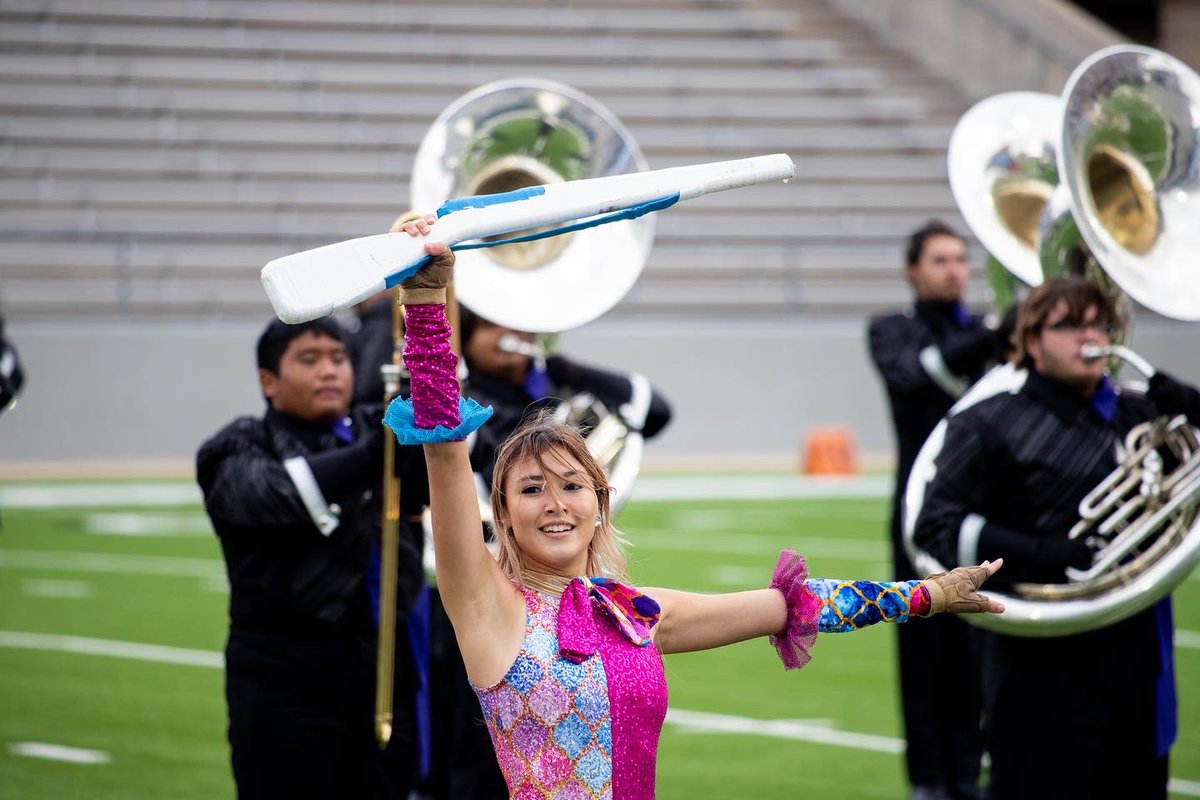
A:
(1187, 639)
(67, 561)
(134, 524)
(135, 651)
(1180, 786)
(751, 544)
(817, 731)
(649, 488)
(56, 589)
(800, 730)
(58, 752)
(83, 495)
(757, 487)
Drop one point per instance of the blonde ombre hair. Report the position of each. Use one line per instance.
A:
(536, 437)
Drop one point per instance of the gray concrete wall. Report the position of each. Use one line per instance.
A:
(744, 391)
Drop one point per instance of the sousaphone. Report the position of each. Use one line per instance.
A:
(1116, 202)
(512, 134)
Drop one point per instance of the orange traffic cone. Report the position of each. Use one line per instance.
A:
(830, 451)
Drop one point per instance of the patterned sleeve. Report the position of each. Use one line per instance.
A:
(853, 605)
(820, 604)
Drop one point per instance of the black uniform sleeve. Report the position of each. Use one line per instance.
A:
(1171, 396)
(953, 522)
(896, 351)
(898, 355)
(611, 388)
(967, 352)
(243, 482)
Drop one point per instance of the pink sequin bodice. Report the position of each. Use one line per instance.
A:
(581, 721)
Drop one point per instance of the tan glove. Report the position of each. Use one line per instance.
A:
(957, 591)
(428, 285)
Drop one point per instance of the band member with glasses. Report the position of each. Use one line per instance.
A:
(1091, 714)
(927, 357)
(288, 494)
(563, 655)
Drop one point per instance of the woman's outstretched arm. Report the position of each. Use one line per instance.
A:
(796, 607)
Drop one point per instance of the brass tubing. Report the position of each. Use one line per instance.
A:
(389, 545)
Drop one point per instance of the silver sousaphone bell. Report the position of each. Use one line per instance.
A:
(509, 135)
(1109, 172)
(517, 133)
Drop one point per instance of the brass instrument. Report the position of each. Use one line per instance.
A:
(389, 541)
(516, 133)
(1111, 164)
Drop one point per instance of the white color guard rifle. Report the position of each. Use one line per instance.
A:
(314, 283)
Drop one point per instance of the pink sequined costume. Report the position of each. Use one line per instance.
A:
(578, 715)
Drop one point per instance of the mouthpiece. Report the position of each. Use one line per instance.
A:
(511, 343)
(1091, 352)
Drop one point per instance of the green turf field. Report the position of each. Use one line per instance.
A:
(77, 580)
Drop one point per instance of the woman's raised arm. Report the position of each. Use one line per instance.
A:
(487, 611)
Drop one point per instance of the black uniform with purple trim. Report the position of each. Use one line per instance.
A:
(927, 358)
(286, 498)
(1088, 715)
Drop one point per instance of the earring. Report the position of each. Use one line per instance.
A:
(599, 520)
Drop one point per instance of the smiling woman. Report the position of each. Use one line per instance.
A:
(565, 657)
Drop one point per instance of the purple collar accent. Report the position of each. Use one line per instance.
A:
(1104, 400)
(342, 430)
(961, 316)
(537, 383)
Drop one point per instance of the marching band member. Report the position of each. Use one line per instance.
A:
(927, 357)
(1087, 715)
(287, 495)
(565, 657)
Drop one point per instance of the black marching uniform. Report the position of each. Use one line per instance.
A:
(287, 499)
(1089, 715)
(927, 358)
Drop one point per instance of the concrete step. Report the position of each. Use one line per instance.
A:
(298, 72)
(430, 47)
(735, 136)
(206, 160)
(382, 194)
(309, 103)
(115, 257)
(338, 18)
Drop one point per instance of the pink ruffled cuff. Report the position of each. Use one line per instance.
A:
(433, 365)
(803, 606)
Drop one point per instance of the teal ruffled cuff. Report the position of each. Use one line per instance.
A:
(399, 418)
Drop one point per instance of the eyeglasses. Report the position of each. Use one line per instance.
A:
(1065, 325)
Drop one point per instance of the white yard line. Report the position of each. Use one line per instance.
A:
(648, 488)
(815, 731)
(135, 651)
(56, 561)
(756, 487)
(58, 752)
(142, 524)
(70, 495)
(56, 589)
(1180, 786)
(751, 544)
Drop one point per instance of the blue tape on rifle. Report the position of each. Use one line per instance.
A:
(485, 200)
(633, 212)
